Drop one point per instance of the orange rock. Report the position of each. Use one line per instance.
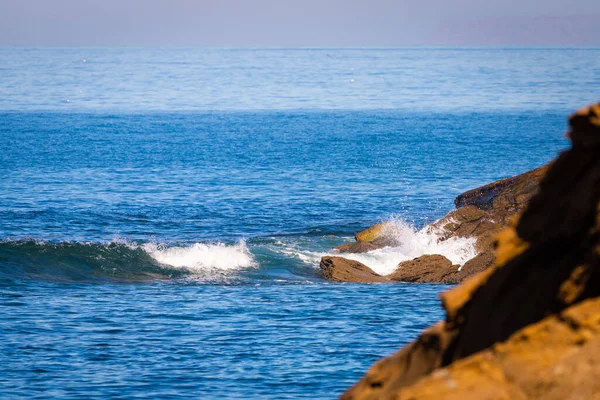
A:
(371, 234)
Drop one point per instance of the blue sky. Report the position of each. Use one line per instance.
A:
(300, 23)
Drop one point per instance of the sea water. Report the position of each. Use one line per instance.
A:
(163, 211)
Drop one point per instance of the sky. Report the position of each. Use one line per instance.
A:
(299, 23)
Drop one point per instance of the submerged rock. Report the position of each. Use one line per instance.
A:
(529, 326)
(343, 270)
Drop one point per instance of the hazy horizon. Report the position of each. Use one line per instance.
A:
(310, 23)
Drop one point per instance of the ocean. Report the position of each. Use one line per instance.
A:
(163, 211)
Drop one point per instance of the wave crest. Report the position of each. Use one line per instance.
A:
(202, 256)
(81, 261)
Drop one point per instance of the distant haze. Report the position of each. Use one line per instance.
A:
(300, 22)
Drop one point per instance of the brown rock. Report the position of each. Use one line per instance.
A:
(483, 213)
(360, 247)
(344, 270)
(529, 326)
(424, 269)
(462, 222)
(468, 222)
(479, 263)
(506, 197)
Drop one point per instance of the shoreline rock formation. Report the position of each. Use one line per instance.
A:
(481, 214)
(342, 270)
(425, 269)
(529, 326)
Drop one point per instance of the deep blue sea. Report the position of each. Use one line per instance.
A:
(163, 211)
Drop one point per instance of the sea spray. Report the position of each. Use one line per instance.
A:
(410, 242)
(406, 242)
(202, 256)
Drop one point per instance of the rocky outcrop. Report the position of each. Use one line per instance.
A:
(344, 270)
(529, 326)
(506, 197)
(425, 269)
(468, 222)
(481, 214)
(556, 358)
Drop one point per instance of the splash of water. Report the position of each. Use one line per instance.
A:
(411, 243)
(202, 256)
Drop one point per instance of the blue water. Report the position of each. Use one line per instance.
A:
(163, 211)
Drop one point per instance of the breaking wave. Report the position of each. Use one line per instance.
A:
(80, 261)
(202, 256)
(288, 257)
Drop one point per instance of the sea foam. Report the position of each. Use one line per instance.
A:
(201, 257)
(412, 243)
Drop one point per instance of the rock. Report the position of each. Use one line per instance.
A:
(424, 269)
(358, 247)
(483, 212)
(556, 358)
(373, 238)
(344, 270)
(504, 198)
(479, 263)
(463, 222)
(372, 233)
(468, 222)
(529, 326)
(443, 271)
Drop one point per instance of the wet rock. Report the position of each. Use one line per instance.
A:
(527, 327)
(424, 269)
(344, 270)
(373, 238)
(468, 222)
(359, 247)
(372, 233)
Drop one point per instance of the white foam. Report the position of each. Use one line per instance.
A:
(412, 243)
(201, 257)
(292, 250)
